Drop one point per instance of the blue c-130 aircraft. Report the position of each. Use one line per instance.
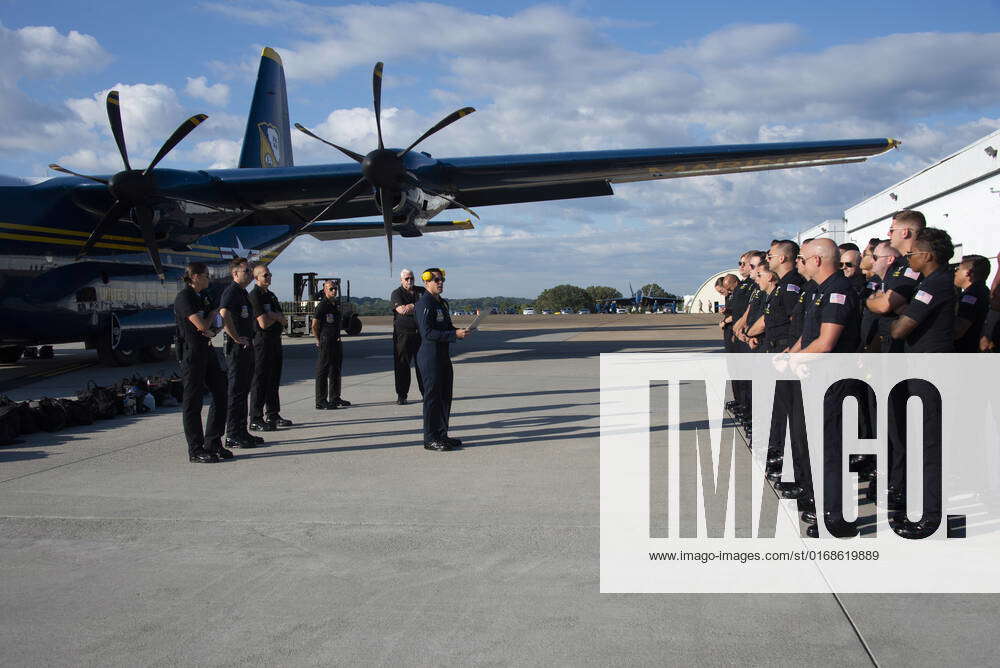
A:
(99, 259)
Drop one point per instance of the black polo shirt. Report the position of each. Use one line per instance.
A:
(973, 305)
(835, 302)
(327, 317)
(933, 307)
(755, 308)
(869, 320)
(740, 298)
(780, 305)
(235, 300)
(401, 297)
(807, 292)
(187, 303)
(262, 302)
(903, 281)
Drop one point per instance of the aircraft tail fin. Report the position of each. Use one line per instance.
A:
(268, 140)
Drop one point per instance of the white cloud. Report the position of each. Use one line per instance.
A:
(216, 94)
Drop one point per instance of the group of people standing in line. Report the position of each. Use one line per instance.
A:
(245, 395)
(900, 294)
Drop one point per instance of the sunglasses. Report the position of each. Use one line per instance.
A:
(845, 265)
(912, 253)
(266, 275)
(407, 278)
(437, 279)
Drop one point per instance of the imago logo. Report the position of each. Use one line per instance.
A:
(857, 468)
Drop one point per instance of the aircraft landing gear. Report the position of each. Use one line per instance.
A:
(45, 353)
(117, 356)
(156, 353)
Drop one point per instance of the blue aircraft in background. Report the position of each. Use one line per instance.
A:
(99, 258)
(638, 301)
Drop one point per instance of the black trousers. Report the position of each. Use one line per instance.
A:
(200, 370)
(239, 371)
(266, 378)
(405, 345)
(434, 364)
(328, 367)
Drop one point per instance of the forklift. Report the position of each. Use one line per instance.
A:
(307, 291)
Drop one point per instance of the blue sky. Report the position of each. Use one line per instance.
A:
(544, 77)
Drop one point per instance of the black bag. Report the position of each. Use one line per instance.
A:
(77, 412)
(49, 414)
(26, 418)
(10, 423)
(158, 387)
(102, 401)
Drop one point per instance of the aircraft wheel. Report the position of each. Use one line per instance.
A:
(11, 354)
(353, 327)
(45, 353)
(117, 356)
(156, 353)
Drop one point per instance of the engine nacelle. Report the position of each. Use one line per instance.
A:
(412, 209)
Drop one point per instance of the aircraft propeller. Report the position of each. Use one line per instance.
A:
(132, 188)
(384, 169)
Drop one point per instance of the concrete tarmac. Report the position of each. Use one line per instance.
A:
(344, 542)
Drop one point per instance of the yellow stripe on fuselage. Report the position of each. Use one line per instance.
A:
(104, 244)
(100, 244)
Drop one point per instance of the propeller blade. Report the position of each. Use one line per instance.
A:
(347, 195)
(386, 196)
(357, 157)
(377, 93)
(57, 168)
(113, 214)
(115, 119)
(180, 133)
(443, 123)
(144, 219)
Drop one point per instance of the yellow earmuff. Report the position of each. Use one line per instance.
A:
(429, 274)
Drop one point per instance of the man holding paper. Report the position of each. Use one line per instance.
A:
(434, 360)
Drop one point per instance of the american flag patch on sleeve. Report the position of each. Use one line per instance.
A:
(837, 298)
(969, 299)
(924, 297)
(911, 273)
(791, 287)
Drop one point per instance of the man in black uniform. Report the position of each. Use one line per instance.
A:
(434, 360)
(900, 279)
(831, 324)
(989, 338)
(269, 322)
(850, 265)
(195, 313)
(927, 325)
(973, 302)
(747, 293)
(326, 328)
(234, 307)
(405, 337)
(883, 257)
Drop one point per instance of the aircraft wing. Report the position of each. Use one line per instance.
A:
(483, 180)
(510, 179)
(356, 229)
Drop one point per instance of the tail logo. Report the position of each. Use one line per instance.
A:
(270, 145)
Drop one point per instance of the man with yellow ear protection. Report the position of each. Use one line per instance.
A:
(434, 360)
